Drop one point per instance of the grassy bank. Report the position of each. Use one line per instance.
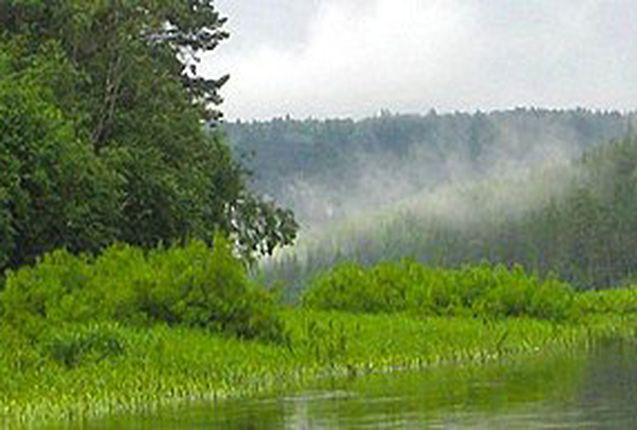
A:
(162, 365)
(131, 330)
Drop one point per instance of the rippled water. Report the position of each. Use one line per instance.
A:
(593, 390)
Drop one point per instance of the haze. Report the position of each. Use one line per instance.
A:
(351, 58)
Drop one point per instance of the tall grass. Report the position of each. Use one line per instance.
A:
(132, 330)
(133, 369)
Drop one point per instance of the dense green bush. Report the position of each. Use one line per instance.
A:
(408, 286)
(618, 302)
(191, 285)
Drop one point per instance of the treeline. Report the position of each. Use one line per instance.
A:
(588, 236)
(574, 220)
(325, 169)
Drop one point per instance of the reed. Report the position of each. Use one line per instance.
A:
(130, 331)
(159, 366)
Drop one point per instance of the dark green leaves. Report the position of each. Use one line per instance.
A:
(54, 191)
(102, 137)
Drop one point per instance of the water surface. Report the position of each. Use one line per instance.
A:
(594, 390)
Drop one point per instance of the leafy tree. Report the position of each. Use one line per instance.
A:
(54, 191)
(125, 91)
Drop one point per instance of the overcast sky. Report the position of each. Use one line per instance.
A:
(338, 58)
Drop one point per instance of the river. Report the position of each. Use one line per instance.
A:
(594, 389)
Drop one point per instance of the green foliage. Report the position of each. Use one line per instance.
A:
(343, 288)
(102, 135)
(160, 366)
(191, 285)
(53, 190)
(607, 302)
(408, 286)
(85, 345)
(575, 220)
(329, 169)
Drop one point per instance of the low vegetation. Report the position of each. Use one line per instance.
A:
(131, 330)
(107, 368)
(408, 286)
(192, 286)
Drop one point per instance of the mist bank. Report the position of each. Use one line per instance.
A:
(330, 170)
(572, 219)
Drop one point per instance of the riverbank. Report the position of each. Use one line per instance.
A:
(131, 330)
(147, 368)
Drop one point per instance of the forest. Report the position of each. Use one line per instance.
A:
(154, 254)
(331, 169)
(572, 219)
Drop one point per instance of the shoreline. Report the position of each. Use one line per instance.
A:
(168, 367)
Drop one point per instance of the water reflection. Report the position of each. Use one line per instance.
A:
(593, 390)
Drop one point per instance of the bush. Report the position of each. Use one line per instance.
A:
(408, 286)
(619, 302)
(348, 287)
(192, 285)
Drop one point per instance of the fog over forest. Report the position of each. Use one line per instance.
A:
(331, 170)
(551, 190)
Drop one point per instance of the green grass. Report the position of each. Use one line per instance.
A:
(162, 365)
(131, 331)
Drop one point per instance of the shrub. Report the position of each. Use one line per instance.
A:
(620, 302)
(409, 286)
(344, 288)
(191, 285)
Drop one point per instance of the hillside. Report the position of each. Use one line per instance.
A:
(573, 218)
(332, 169)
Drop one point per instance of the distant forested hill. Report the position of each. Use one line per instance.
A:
(325, 169)
(574, 219)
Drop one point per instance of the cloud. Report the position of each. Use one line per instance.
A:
(354, 57)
